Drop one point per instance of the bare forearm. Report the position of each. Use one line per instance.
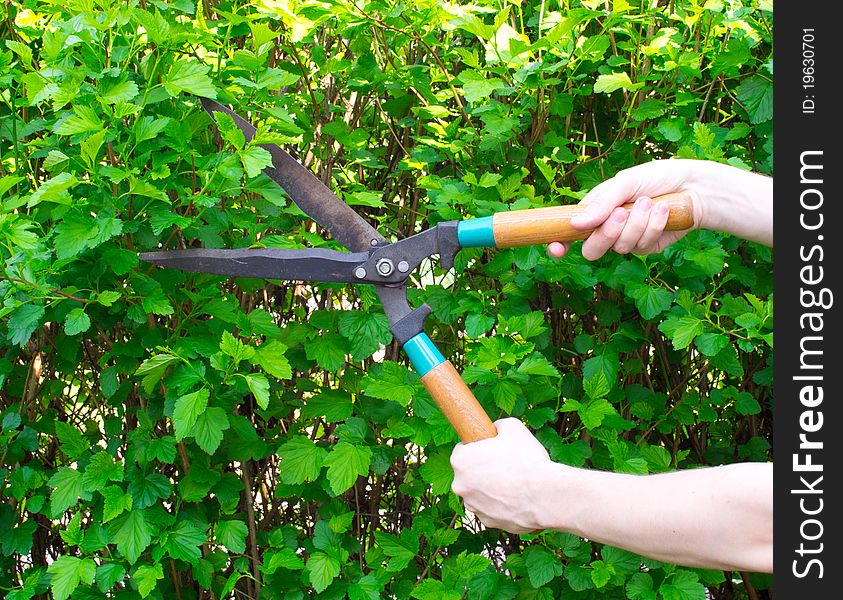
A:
(718, 517)
(740, 203)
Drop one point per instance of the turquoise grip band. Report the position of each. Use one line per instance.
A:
(476, 233)
(423, 354)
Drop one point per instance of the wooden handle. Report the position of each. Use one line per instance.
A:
(457, 403)
(553, 224)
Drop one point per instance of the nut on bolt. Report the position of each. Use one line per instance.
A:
(384, 266)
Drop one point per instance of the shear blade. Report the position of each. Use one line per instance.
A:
(309, 194)
(310, 264)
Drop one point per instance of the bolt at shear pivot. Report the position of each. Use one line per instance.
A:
(360, 272)
(384, 266)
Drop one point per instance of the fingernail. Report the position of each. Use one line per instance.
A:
(619, 216)
(644, 203)
(663, 208)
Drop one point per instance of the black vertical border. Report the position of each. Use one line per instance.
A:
(797, 131)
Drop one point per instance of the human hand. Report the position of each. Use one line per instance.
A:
(503, 480)
(640, 230)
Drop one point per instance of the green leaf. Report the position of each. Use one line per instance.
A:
(478, 324)
(270, 357)
(119, 91)
(24, 321)
(591, 412)
(187, 409)
(116, 502)
(108, 574)
(255, 159)
(74, 234)
(146, 488)
(682, 585)
(365, 588)
(745, 404)
(108, 297)
(53, 190)
(649, 109)
(640, 587)
(727, 360)
(209, 427)
(67, 489)
(328, 351)
(367, 332)
(284, 558)
(607, 363)
(671, 129)
(232, 535)
(235, 348)
(476, 86)
(506, 394)
(537, 364)
(333, 405)
(650, 301)
(73, 534)
(433, 589)
(100, 470)
(259, 385)
(681, 330)
(191, 77)
(390, 381)
(153, 369)
(322, 569)
(596, 386)
(400, 549)
(301, 460)
(83, 120)
(120, 260)
(710, 344)
(132, 535)
(542, 565)
(711, 259)
(229, 131)
(345, 463)
(756, 95)
(608, 83)
(437, 471)
(184, 541)
(146, 577)
(76, 322)
(601, 573)
(72, 442)
(67, 572)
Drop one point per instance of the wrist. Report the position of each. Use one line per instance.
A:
(568, 494)
(732, 200)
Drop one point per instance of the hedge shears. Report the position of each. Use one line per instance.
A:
(372, 259)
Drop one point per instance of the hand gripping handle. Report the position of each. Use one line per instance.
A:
(553, 224)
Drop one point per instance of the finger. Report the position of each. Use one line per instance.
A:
(655, 228)
(511, 426)
(457, 456)
(603, 200)
(605, 236)
(636, 224)
(557, 249)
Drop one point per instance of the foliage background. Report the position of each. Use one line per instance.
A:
(169, 435)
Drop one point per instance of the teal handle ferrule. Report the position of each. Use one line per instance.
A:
(423, 354)
(476, 233)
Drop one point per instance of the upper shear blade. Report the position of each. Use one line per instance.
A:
(309, 194)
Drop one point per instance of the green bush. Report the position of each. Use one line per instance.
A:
(174, 435)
